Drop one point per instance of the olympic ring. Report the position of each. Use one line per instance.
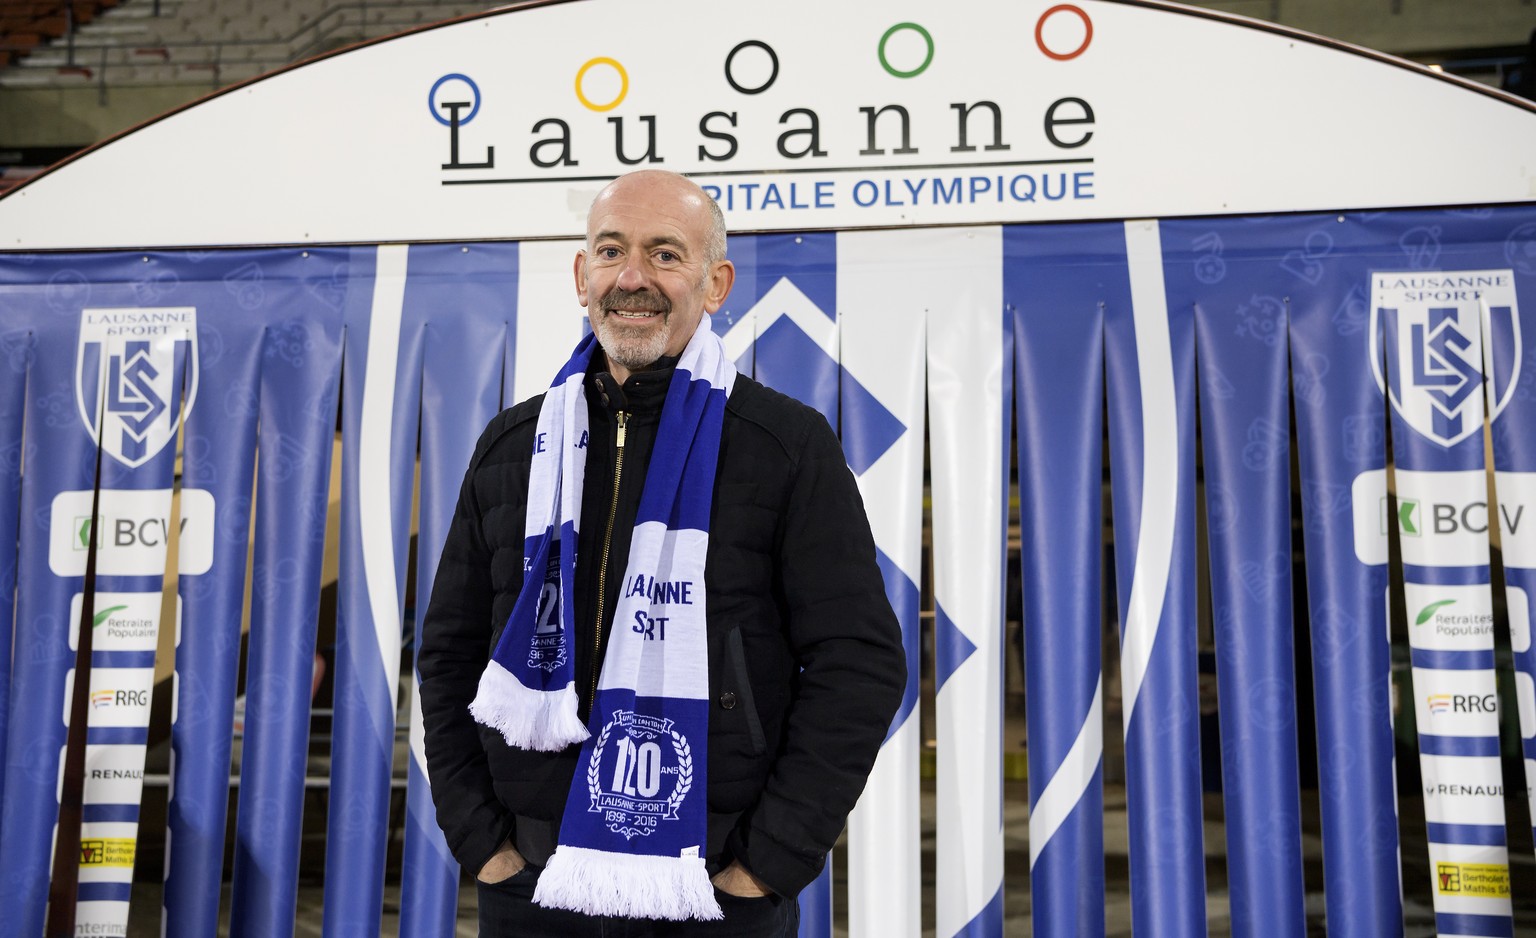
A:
(1040, 29)
(893, 31)
(772, 76)
(432, 98)
(623, 84)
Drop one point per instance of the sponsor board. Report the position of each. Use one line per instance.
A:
(1449, 618)
(100, 918)
(1442, 517)
(1519, 603)
(107, 853)
(1525, 697)
(114, 774)
(1368, 498)
(128, 365)
(133, 527)
(1470, 879)
(1517, 517)
(1429, 326)
(1530, 786)
(1483, 880)
(1462, 790)
(119, 696)
(1455, 703)
(122, 622)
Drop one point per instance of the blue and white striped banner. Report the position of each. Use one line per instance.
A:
(297, 419)
(442, 336)
(468, 309)
(1216, 270)
(220, 457)
(1514, 460)
(1431, 325)
(1059, 350)
(787, 285)
(883, 320)
(1340, 419)
(970, 363)
(15, 361)
(1149, 349)
(380, 403)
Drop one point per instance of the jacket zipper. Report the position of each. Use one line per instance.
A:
(602, 571)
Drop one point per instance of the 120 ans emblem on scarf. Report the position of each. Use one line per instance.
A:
(635, 778)
(547, 650)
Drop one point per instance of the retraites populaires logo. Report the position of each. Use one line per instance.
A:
(1440, 333)
(904, 50)
(1445, 619)
(132, 366)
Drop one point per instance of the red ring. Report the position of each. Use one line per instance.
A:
(1040, 27)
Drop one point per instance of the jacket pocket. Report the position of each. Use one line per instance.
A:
(738, 656)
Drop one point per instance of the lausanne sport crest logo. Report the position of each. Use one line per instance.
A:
(1440, 333)
(130, 367)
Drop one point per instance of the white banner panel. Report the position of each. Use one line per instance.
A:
(820, 116)
(968, 353)
(887, 282)
(549, 317)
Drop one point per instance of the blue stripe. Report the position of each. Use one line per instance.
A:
(106, 892)
(1446, 576)
(1496, 926)
(126, 813)
(905, 601)
(1431, 745)
(122, 659)
(1472, 835)
(1480, 660)
(988, 923)
(950, 646)
(116, 735)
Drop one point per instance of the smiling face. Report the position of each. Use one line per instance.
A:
(647, 275)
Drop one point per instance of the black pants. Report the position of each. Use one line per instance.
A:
(507, 911)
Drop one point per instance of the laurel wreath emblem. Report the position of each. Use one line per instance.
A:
(684, 771)
(594, 788)
(679, 791)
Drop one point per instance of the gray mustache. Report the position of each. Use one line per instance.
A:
(636, 299)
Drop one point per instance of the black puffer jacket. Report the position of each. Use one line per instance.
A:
(806, 667)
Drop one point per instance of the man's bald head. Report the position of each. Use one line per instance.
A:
(688, 194)
(654, 264)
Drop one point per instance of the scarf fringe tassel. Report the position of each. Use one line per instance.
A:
(526, 718)
(597, 882)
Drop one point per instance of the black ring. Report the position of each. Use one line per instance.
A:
(771, 55)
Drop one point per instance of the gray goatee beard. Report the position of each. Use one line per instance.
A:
(634, 349)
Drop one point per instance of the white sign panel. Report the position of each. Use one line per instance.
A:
(822, 115)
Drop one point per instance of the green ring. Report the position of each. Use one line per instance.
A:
(891, 32)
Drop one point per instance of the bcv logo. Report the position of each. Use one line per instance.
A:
(131, 367)
(1437, 335)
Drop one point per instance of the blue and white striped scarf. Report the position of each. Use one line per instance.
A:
(632, 839)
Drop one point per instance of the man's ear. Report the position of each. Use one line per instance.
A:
(722, 275)
(581, 276)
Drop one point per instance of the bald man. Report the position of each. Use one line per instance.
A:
(649, 711)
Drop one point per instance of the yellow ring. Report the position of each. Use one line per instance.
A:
(623, 84)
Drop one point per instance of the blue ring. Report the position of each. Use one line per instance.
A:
(433, 94)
